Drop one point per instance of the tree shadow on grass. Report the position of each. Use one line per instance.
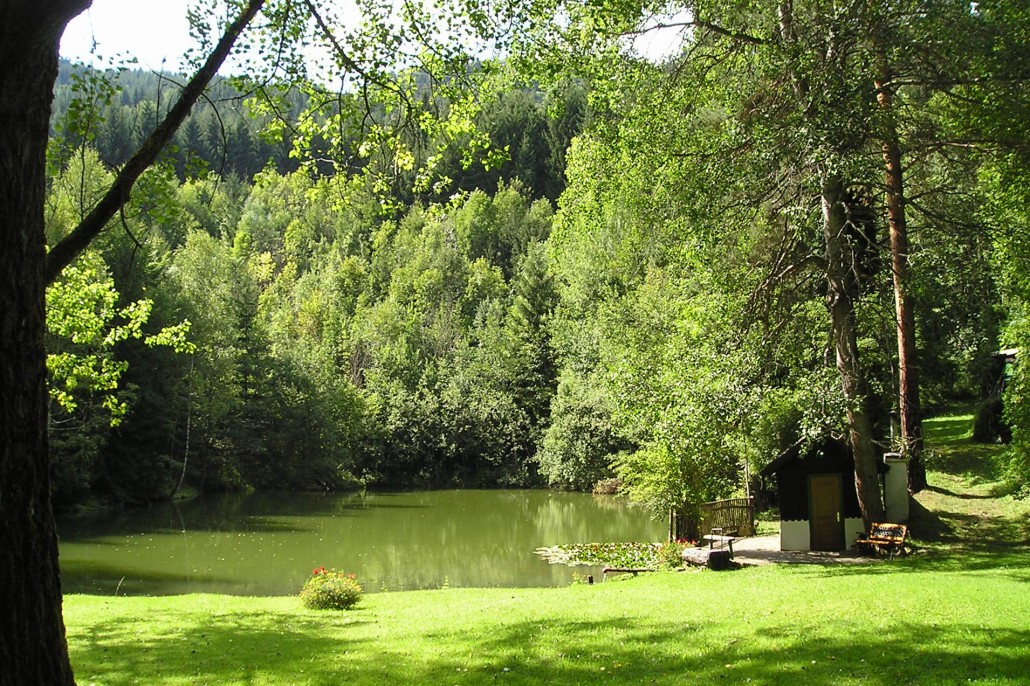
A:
(964, 496)
(978, 463)
(213, 648)
(284, 648)
(978, 528)
(717, 651)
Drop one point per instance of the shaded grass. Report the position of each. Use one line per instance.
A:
(957, 611)
(953, 454)
(965, 516)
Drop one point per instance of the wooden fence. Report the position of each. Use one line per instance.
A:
(735, 513)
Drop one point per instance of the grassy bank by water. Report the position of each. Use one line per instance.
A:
(957, 611)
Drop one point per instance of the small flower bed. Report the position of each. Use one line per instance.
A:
(329, 589)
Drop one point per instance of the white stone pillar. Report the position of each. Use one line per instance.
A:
(895, 487)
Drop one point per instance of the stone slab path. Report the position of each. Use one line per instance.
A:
(765, 550)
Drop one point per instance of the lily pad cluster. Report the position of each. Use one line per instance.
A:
(635, 555)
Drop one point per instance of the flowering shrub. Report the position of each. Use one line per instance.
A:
(328, 589)
(670, 555)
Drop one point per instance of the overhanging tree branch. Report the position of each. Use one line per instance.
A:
(728, 33)
(62, 254)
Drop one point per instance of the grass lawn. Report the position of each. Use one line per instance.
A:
(957, 611)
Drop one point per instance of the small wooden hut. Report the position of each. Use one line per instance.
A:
(818, 505)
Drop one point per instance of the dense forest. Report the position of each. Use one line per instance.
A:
(250, 322)
(630, 281)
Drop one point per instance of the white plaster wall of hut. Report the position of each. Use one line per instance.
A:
(853, 527)
(796, 534)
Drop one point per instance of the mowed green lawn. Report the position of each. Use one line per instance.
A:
(956, 611)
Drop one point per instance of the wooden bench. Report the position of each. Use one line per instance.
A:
(624, 570)
(883, 536)
(724, 537)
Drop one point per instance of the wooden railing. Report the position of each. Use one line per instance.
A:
(735, 513)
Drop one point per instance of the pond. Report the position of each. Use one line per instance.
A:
(268, 543)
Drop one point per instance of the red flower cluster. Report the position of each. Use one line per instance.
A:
(322, 572)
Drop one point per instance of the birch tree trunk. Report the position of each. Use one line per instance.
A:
(841, 287)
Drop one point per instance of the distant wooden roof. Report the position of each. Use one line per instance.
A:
(782, 459)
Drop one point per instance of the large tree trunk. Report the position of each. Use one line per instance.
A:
(841, 288)
(33, 649)
(908, 370)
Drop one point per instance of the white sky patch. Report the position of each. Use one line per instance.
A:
(156, 33)
(662, 36)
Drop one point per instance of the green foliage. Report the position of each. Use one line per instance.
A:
(112, 111)
(81, 310)
(1016, 412)
(355, 318)
(1005, 184)
(92, 339)
(690, 243)
(670, 555)
(329, 589)
(654, 556)
(86, 325)
(580, 440)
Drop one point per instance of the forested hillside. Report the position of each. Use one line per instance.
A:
(238, 129)
(634, 279)
(253, 322)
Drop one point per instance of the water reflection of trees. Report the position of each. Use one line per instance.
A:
(270, 542)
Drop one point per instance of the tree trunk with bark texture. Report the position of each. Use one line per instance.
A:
(841, 287)
(33, 649)
(908, 370)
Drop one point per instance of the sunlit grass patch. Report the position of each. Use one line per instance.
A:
(952, 450)
(965, 517)
(879, 624)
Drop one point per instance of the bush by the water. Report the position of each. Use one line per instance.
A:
(608, 487)
(329, 589)
(670, 554)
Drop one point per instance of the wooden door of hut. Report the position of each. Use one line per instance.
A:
(825, 513)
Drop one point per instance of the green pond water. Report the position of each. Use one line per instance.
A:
(268, 543)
